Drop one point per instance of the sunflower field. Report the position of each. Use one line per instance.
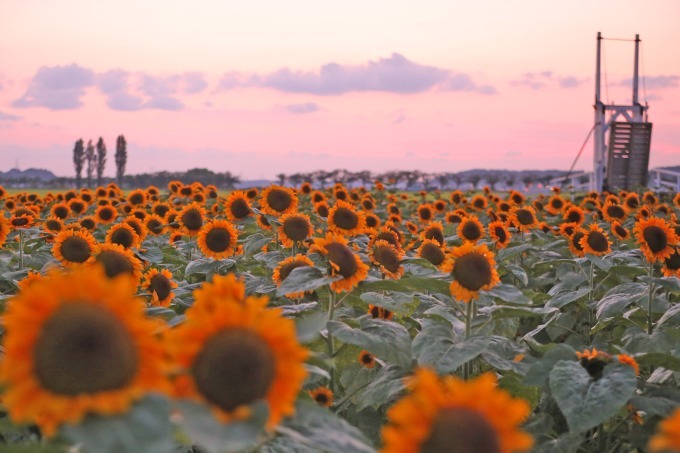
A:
(339, 320)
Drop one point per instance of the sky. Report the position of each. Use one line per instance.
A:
(267, 86)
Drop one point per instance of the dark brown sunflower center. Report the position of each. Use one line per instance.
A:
(460, 430)
(432, 253)
(135, 226)
(161, 209)
(471, 231)
(239, 208)
(342, 257)
(321, 398)
(287, 268)
(576, 240)
(155, 226)
(83, 349)
(472, 271)
(594, 367)
(673, 262)
(500, 234)
(235, 367)
(60, 212)
(454, 218)
(186, 191)
(574, 216)
(75, 249)
(616, 212)
(160, 285)
(436, 234)
(122, 236)
(345, 218)
(136, 198)
(367, 204)
(632, 202)
(655, 237)
(296, 228)
(479, 203)
(621, 231)
(279, 200)
(88, 223)
(192, 219)
(598, 241)
(425, 213)
(340, 195)
(77, 207)
(387, 258)
(53, 225)
(115, 263)
(20, 221)
(556, 204)
(366, 359)
(525, 217)
(322, 210)
(218, 239)
(371, 221)
(388, 236)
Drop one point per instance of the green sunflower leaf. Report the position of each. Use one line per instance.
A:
(585, 402)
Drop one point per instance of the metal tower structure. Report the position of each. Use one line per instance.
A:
(626, 163)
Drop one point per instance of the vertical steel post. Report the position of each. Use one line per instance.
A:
(637, 108)
(598, 138)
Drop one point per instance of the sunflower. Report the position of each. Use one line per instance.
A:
(342, 261)
(594, 361)
(611, 212)
(306, 188)
(191, 218)
(432, 252)
(137, 197)
(60, 211)
(574, 214)
(425, 213)
(77, 343)
(386, 234)
(340, 193)
(479, 202)
(323, 396)
(237, 206)
(499, 233)
(377, 312)
(123, 235)
(31, 277)
(372, 221)
(667, 437)
(160, 285)
(574, 241)
(118, 260)
(656, 238)
(676, 200)
(671, 265)
(317, 197)
(595, 241)
(233, 351)
(77, 206)
(263, 222)
(366, 359)
(217, 239)
(344, 219)
(470, 229)
(649, 198)
(388, 258)
(88, 222)
(367, 203)
(523, 218)
(435, 230)
(154, 224)
(294, 229)
(473, 268)
(456, 197)
(53, 225)
(277, 200)
(643, 212)
(136, 225)
(285, 267)
(619, 230)
(455, 217)
(72, 247)
(632, 201)
(21, 221)
(630, 361)
(441, 413)
(555, 205)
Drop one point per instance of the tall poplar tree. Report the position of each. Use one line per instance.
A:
(79, 160)
(91, 159)
(101, 160)
(121, 159)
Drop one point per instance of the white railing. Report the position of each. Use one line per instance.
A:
(660, 179)
(580, 182)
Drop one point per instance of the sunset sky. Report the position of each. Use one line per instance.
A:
(263, 87)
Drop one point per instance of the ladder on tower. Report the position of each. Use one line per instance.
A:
(628, 155)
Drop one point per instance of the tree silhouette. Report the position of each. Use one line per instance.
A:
(79, 160)
(101, 160)
(230, 180)
(121, 158)
(91, 159)
(282, 178)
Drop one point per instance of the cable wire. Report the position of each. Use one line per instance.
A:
(580, 151)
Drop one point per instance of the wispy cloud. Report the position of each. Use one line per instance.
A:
(8, 117)
(395, 74)
(57, 88)
(659, 82)
(300, 109)
(543, 79)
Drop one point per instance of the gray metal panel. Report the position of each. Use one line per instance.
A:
(628, 155)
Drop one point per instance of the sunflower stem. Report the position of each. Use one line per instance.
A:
(329, 338)
(590, 298)
(468, 328)
(650, 319)
(21, 249)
